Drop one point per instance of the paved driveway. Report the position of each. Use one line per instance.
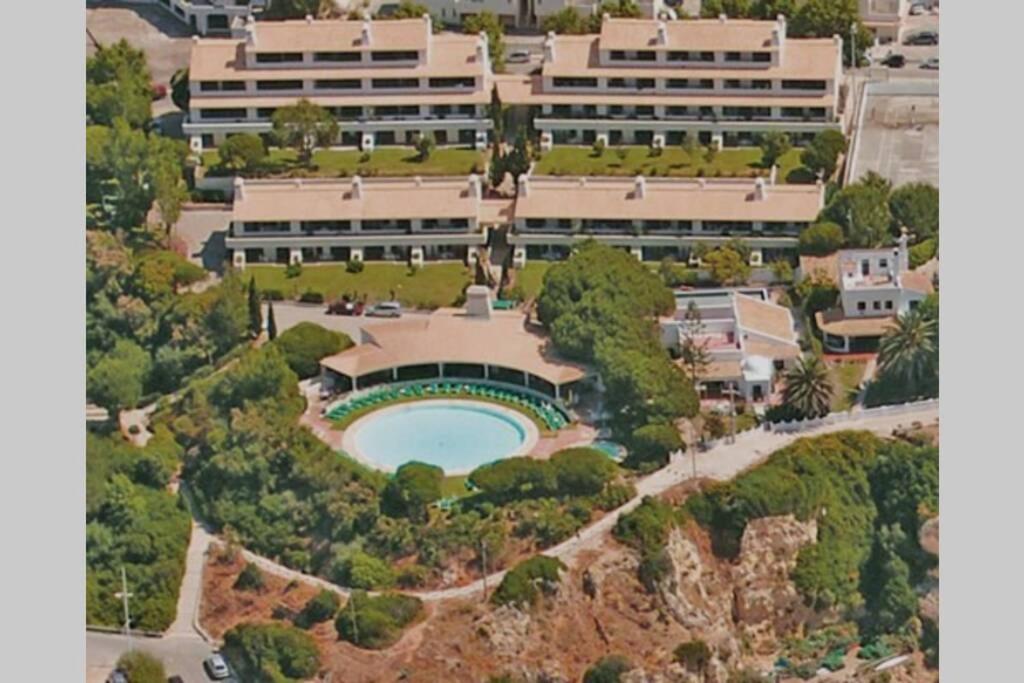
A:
(289, 314)
(182, 656)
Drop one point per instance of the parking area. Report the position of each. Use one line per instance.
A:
(166, 41)
(899, 133)
(915, 55)
(203, 230)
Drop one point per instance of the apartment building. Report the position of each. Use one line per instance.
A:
(654, 218)
(875, 286)
(653, 82)
(749, 340)
(387, 82)
(884, 18)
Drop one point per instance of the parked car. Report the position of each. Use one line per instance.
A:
(385, 309)
(117, 676)
(345, 306)
(158, 91)
(922, 38)
(917, 9)
(518, 57)
(894, 60)
(931, 63)
(217, 667)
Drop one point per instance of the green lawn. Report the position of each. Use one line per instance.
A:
(531, 277)
(673, 161)
(389, 161)
(846, 377)
(432, 286)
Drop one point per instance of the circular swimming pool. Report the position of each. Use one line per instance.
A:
(457, 436)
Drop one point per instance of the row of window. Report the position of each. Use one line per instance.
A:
(337, 57)
(688, 56)
(688, 83)
(565, 224)
(336, 84)
(569, 111)
(338, 226)
(862, 306)
(347, 113)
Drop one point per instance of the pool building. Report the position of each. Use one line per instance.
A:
(478, 344)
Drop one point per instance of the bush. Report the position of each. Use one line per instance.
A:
(821, 239)
(242, 152)
(376, 622)
(250, 578)
(693, 654)
(654, 443)
(923, 252)
(272, 295)
(320, 608)
(414, 486)
(142, 667)
(581, 471)
(311, 296)
(646, 528)
(413, 576)
(822, 154)
(361, 570)
(608, 670)
(293, 270)
(305, 344)
(354, 266)
(272, 653)
(519, 585)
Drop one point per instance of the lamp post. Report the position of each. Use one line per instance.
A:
(124, 595)
(732, 390)
(853, 45)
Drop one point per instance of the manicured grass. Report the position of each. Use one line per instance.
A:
(846, 377)
(673, 161)
(432, 286)
(344, 422)
(389, 161)
(531, 277)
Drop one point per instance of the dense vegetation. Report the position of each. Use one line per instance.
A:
(133, 522)
(305, 344)
(523, 585)
(601, 307)
(608, 669)
(272, 653)
(142, 667)
(908, 358)
(376, 622)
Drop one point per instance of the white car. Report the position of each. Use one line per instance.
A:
(217, 667)
(931, 63)
(518, 57)
(385, 309)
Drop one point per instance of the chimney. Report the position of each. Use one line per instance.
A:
(774, 174)
(896, 267)
(239, 188)
(549, 47)
(365, 37)
(429, 23)
(662, 33)
(418, 180)
(357, 187)
(250, 31)
(309, 19)
(478, 302)
(639, 187)
(475, 189)
(759, 190)
(902, 243)
(583, 181)
(482, 53)
(524, 186)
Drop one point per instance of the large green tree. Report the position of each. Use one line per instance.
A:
(242, 152)
(118, 85)
(306, 343)
(909, 351)
(916, 206)
(414, 486)
(269, 653)
(808, 389)
(826, 18)
(862, 210)
(822, 154)
(304, 126)
(118, 380)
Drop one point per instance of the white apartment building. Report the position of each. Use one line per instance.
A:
(387, 82)
(748, 339)
(654, 218)
(211, 17)
(653, 82)
(875, 286)
(884, 18)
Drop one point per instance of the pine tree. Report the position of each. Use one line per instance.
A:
(271, 323)
(255, 314)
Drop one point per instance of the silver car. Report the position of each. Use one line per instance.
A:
(217, 667)
(931, 63)
(518, 57)
(385, 309)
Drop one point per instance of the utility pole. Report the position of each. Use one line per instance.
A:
(483, 564)
(124, 595)
(732, 412)
(853, 45)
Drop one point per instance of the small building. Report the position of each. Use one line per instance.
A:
(478, 344)
(875, 286)
(749, 340)
(212, 17)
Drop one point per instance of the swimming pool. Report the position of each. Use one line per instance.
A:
(456, 435)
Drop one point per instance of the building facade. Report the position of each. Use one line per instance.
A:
(512, 13)
(211, 17)
(654, 82)
(884, 18)
(387, 82)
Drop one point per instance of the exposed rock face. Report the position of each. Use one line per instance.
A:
(505, 630)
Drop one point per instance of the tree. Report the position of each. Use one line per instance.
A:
(271, 323)
(227, 317)
(566, 22)
(695, 655)
(694, 347)
(425, 145)
(821, 239)
(822, 154)
(808, 389)
(268, 653)
(118, 86)
(513, 478)
(519, 585)
(608, 669)
(180, 94)
(255, 310)
(888, 594)
(306, 343)
(362, 570)
(727, 266)
(909, 351)
(489, 24)
(654, 443)
(320, 608)
(304, 126)
(242, 152)
(581, 471)
(250, 578)
(916, 206)
(118, 379)
(826, 18)
(862, 210)
(414, 486)
(734, 9)
(142, 667)
(774, 144)
(770, 9)
(376, 622)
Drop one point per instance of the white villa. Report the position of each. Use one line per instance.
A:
(211, 17)
(749, 339)
(875, 286)
(654, 82)
(386, 82)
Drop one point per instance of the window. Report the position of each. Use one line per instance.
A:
(883, 263)
(390, 83)
(265, 112)
(618, 56)
(803, 85)
(888, 305)
(570, 82)
(733, 57)
(865, 267)
(279, 85)
(733, 84)
(338, 84)
(215, 86)
(394, 56)
(337, 57)
(862, 306)
(616, 82)
(762, 57)
(278, 57)
(208, 114)
(646, 56)
(913, 304)
(326, 226)
(706, 57)
(761, 84)
(643, 83)
(209, 86)
(876, 305)
(452, 82)
(535, 223)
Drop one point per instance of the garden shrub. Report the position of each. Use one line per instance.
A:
(306, 343)
(520, 584)
(922, 252)
(361, 570)
(693, 654)
(646, 527)
(608, 670)
(293, 270)
(320, 608)
(272, 653)
(142, 667)
(272, 295)
(354, 266)
(821, 239)
(311, 296)
(376, 622)
(250, 578)
(654, 443)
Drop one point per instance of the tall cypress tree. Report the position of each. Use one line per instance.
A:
(271, 323)
(255, 314)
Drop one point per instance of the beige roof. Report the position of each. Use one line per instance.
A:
(917, 281)
(771, 349)
(718, 370)
(691, 34)
(391, 198)
(339, 35)
(499, 211)
(220, 59)
(764, 317)
(821, 266)
(810, 58)
(452, 336)
(834, 322)
(675, 199)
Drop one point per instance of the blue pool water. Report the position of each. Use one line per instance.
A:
(456, 437)
(613, 450)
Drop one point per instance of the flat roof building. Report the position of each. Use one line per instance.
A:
(655, 82)
(386, 82)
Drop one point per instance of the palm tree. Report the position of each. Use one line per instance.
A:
(808, 389)
(909, 350)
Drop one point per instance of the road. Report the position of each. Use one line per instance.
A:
(182, 656)
(289, 314)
